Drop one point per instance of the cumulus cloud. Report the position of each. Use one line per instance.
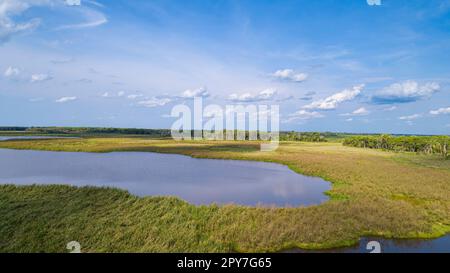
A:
(199, 92)
(411, 117)
(155, 102)
(65, 99)
(358, 112)
(440, 111)
(333, 101)
(303, 115)
(290, 75)
(267, 94)
(404, 92)
(40, 77)
(12, 72)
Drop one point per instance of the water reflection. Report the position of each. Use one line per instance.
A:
(439, 245)
(199, 181)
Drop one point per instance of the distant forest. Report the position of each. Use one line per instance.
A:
(417, 144)
(86, 131)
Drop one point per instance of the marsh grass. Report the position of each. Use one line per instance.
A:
(374, 193)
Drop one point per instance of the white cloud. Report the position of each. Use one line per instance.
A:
(333, 101)
(349, 119)
(9, 29)
(12, 72)
(154, 102)
(119, 94)
(290, 75)
(267, 94)
(392, 108)
(134, 96)
(92, 17)
(411, 117)
(361, 111)
(94, 3)
(440, 111)
(303, 115)
(40, 77)
(73, 2)
(65, 99)
(374, 2)
(95, 21)
(407, 91)
(199, 92)
(11, 8)
(358, 112)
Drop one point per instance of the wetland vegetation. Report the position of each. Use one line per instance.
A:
(374, 193)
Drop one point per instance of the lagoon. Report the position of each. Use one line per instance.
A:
(198, 181)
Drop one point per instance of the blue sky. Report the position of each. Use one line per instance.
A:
(331, 65)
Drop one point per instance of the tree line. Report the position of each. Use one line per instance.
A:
(161, 133)
(303, 136)
(416, 144)
(89, 131)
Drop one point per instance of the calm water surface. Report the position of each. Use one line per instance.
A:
(440, 245)
(198, 181)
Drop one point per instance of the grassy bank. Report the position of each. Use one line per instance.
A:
(374, 193)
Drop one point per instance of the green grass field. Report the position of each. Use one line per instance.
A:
(374, 193)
